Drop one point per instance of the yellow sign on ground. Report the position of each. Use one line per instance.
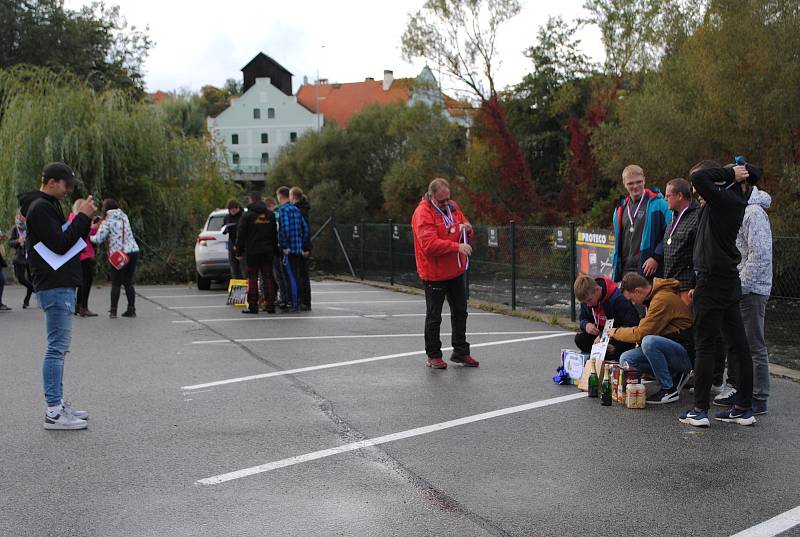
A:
(237, 293)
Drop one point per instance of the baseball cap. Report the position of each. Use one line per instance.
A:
(60, 172)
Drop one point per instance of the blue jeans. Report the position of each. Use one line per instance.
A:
(59, 307)
(659, 356)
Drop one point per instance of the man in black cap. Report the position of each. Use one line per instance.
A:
(55, 284)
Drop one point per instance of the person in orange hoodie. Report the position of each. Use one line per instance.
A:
(441, 247)
(664, 335)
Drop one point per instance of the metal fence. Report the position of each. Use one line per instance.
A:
(532, 268)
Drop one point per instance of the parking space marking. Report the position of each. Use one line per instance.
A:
(363, 336)
(774, 526)
(316, 317)
(409, 433)
(360, 361)
(315, 304)
(187, 296)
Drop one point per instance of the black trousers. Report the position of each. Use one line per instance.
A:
(22, 272)
(584, 341)
(260, 265)
(124, 278)
(717, 312)
(87, 277)
(293, 270)
(305, 292)
(237, 267)
(435, 293)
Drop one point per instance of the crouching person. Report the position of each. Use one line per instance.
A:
(664, 335)
(601, 300)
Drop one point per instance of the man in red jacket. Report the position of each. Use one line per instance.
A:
(441, 247)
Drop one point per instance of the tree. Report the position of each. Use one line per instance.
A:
(540, 106)
(120, 147)
(95, 42)
(460, 36)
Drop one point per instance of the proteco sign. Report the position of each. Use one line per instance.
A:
(594, 250)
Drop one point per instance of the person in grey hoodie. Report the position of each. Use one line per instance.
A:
(754, 241)
(116, 228)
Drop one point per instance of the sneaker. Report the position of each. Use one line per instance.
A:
(64, 421)
(466, 361)
(716, 389)
(129, 313)
(663, 397)
(436, 363)
(759, 407)
(80, 414)
(694, 417)
(736, 415)
(727, 396)
(249, 311)
(3, 307)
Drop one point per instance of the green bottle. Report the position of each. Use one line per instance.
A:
(594, 385)
(606, 391)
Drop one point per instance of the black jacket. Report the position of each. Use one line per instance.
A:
(715, 251)
(258, 232)
(232, 221)
(45, 219)
(305, 209)
(19, 249)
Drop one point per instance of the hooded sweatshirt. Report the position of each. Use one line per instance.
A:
(667, 315)
(44, 224)
(612, 305)
(754, 242)
(114, 226)
(257, 233)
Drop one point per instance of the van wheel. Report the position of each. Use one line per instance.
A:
(204, 284)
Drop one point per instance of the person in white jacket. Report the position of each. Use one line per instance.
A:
(755, 271)
(116, 229)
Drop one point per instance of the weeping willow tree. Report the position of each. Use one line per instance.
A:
(121, 148)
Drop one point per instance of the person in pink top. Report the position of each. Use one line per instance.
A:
(87, 267)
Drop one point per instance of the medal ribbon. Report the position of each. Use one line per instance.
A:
(632, 218)
(675, 226)
(449, 221)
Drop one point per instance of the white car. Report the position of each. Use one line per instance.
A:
(211, 251)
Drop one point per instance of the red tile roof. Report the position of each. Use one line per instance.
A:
(340, 101)
(158, 96)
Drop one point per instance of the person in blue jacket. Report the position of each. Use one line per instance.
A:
(640, 219)
(601, 300)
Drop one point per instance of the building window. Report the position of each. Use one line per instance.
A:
(234, 139)
(270, 113)
(264, 157)
(292, 136)
(236, 158)
(264, 138)
(256, 113)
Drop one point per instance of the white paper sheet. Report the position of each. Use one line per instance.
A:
(55, 260)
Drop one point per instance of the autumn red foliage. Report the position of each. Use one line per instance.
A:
(512, 197)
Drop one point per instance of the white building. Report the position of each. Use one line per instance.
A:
(265, 118)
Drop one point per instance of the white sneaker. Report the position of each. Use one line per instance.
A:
(727, 391)
(64, 421)
(74, 412)
(716, 388)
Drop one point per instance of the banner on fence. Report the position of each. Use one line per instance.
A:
(493, 237)
(595, 247)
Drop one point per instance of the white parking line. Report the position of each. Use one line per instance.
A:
(317, 317)
(188, 296)
(409, 433)
(774, 526)
(315, 304)
(363, 336)
(359, 361)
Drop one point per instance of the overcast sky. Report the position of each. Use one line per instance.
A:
(202, 42)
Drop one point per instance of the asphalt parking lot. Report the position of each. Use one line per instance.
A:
(206, 422)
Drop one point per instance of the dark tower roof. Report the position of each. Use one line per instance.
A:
(262, 66)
